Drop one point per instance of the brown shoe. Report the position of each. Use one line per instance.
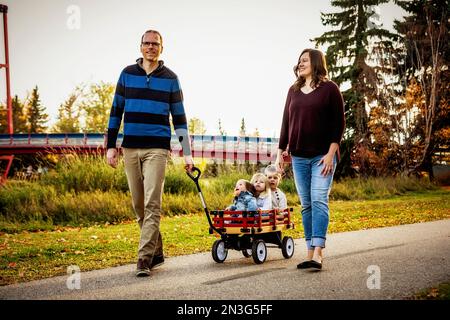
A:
(143, 268)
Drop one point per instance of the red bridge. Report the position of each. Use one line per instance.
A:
(229, 148)
(222, 149)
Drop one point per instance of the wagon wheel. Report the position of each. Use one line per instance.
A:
(259, 251)
(287, 247)
(247, 253)
(219, 251)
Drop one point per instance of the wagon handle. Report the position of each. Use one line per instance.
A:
(195, 179)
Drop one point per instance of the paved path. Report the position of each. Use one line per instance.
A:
(409, 258)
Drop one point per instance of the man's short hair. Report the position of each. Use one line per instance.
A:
(152, 31)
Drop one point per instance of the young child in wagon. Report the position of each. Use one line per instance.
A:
(279, 200)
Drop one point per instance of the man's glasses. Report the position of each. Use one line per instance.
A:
(148, 44)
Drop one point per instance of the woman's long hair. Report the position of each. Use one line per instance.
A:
(318, 67)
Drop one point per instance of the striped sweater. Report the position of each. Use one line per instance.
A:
(145, 102)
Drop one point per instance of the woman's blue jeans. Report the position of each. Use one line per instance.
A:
(313, 189)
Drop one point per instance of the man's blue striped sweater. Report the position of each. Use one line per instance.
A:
(145, 103)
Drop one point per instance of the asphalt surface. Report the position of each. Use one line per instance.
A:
(384, 263)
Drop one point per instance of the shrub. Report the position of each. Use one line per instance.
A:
(85, 190)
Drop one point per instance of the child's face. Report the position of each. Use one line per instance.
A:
(259, 185)
(274, 180)
(240, 186)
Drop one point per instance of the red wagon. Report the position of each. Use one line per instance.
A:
(247, 231)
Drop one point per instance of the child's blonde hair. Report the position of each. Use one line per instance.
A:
(272, 170)
(263, 178)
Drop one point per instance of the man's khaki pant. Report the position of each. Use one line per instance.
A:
(145, 170)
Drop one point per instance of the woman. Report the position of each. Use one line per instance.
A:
(312, 128)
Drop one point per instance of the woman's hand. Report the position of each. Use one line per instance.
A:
(279, 162)
(327, 162)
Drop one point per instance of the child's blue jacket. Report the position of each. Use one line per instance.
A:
(245, 201)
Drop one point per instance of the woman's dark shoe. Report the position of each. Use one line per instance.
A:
(315, 264)
(304, 265)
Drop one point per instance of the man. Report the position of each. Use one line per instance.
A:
(146, 94)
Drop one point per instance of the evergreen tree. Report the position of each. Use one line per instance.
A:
(222, 132)
(36, 116)
(18, 115)
(242, 129)
(351, 44)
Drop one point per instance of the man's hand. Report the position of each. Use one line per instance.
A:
(189, 163)
(112, 157)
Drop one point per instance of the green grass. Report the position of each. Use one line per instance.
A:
(29, 256)
(84, 190)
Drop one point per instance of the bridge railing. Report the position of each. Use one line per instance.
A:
(204, 146)
(49, 139)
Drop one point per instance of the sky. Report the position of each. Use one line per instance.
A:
(234, 58)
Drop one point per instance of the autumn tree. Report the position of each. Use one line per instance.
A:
(19, 116)
(196, 126)
(425, 33)
(348, 57)
(95, 105)
(69, 115)
(256, 133)
(3, 119)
